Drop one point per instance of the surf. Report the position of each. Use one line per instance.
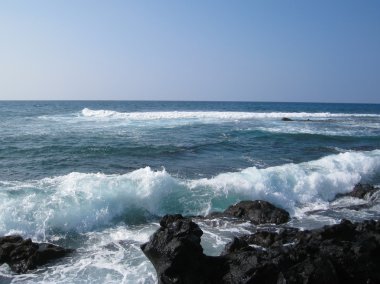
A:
(82, 202)
(225, 115)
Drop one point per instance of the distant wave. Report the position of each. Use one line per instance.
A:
(82, 201)
(369, 130)
(227, 115)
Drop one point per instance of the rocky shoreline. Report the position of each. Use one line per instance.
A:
(342, 253)
(273, 253)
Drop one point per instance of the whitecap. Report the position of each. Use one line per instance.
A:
(83, 201)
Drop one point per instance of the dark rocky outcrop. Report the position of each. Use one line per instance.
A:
(360, 190)
(257, 211)
(302, 120)
(342, 253)
(177, 255)
(22, 255)
(286, 119)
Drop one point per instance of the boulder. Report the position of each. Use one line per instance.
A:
(177, 255)
(258, 212)
(22, 255)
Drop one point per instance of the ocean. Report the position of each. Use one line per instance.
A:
(96, 176)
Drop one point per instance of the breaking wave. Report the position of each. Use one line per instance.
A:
(83, 201)
(227, 115)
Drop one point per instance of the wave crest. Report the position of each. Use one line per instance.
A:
(226, 115)
(80, 201)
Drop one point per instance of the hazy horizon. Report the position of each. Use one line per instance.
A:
(272, 51)
(191, 101)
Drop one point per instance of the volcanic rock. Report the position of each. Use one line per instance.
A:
(258, 212)
(22, 255)
(342, 253)
(360, 191)
(177, 255)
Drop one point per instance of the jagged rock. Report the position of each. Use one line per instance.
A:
(22, 255)
(361, 190)
(177, 255)
(342, 253)
(258, 212)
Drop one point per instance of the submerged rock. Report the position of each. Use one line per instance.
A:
(360, 191)
(286, 119)
(257, 211)
(302, 120)
(22, 255)
(342, 253)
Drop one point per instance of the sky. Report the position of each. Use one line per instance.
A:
(307, 51)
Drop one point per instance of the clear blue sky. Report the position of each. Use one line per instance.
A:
(317, 51)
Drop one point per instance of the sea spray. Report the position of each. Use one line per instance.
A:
(82, 201)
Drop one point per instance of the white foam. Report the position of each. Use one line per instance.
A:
(224, 115)
(291, 185)
(80, 201)
(108, 256)
(328, 130)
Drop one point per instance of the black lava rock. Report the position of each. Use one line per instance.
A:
(361, 190)
(258, 212)
(342, 253)
(22, 255)
(177, 255)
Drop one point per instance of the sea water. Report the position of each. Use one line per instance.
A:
(97, 175)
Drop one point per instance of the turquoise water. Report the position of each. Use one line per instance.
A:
(97, 175)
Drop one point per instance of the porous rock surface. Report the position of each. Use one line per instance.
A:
(343, 253)
(256, 211)
(23, 254)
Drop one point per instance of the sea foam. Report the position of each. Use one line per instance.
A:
(224, 115)
(83, 201)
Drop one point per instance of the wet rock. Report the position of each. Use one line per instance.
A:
(360, 191)
(286, 119)
(268, 239)
(177, 255)
(22, 255)
(342, 253)
(237, 244)
(258, 212)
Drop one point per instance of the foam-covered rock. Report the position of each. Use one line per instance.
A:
(360, 191)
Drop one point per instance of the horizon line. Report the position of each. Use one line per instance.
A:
(193, 101)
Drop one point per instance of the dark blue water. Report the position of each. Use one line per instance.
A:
(41, 139)
(96, 175)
